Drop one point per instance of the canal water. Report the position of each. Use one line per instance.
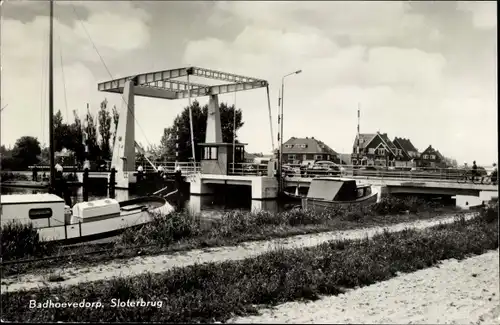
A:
(211, 206)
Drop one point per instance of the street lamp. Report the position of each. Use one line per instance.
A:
(280, 163)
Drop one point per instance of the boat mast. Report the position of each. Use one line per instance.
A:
(51, 98)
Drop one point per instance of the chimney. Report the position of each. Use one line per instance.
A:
(384, 134)
(312, 138)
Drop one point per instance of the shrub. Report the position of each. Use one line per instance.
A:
(182, 231)
(20, 240)
(218, 291)
(162, 230)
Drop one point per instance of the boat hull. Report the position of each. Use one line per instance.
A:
(323, 205)
(293, 197)
(134, 213)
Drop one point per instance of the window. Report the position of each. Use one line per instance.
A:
(425, 156)
(327, 157)
(40, 213)
(239, 155)
(318, 157)
(210, 153)
(381, 151)
(433, 157)
(303, 146)
(288, 146)
(400, 152)
(291, 157)
(371, 150)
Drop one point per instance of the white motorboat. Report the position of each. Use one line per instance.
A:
(86, 221)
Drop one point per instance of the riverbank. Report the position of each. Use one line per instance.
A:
(23, 252)
(220, 291)
(71, 274)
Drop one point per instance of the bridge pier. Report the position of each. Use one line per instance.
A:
(123, 159)
(263, 187)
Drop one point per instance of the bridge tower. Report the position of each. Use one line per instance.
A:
(216, 155)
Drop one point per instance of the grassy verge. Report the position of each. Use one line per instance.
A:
(220, 291)
(180, 231)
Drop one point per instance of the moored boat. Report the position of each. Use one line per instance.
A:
(293, 196)
(329, 192)
(86, 221)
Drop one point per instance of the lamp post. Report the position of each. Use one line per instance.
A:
(280, 163)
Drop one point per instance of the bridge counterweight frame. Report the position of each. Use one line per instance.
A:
(161, 84)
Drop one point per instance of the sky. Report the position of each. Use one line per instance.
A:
(419, 70)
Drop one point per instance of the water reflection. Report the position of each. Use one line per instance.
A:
(210, 206)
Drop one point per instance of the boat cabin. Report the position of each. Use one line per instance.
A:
(42, 210)
(336, 189)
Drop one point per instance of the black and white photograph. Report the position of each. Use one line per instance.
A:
(249, 162)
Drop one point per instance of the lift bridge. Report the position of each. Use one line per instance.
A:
(217, 156)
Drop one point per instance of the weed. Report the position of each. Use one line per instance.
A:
(218, 291)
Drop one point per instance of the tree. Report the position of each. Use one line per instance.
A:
(60, 131)
(116, 116)
(69, 136)
(181, 128)
(26, 151)
(78, 146)
(7, 162)
(90, 130)
(105, 129)
(167, 144)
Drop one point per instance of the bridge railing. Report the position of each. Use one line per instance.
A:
(421, 173)
(250, 169)
(170, 166)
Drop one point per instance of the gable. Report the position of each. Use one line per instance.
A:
(365, 140)
(429, 151)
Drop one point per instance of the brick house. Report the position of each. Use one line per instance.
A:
(298, 150)
(376, 149)
(431, 157)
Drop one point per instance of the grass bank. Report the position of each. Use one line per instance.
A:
(218, 292)
(181, 231)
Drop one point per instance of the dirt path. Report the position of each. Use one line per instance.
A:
(455, 292)
(161, 263)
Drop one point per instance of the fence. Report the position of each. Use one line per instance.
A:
(170, 166)
(444, 174)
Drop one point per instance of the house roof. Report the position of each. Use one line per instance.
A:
(431, 150)
(387, 141)
(364, 139)
(405, 144)
(313, 146)
(440, 155)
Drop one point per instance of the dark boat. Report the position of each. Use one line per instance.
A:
(293, 197)
(329, 192)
